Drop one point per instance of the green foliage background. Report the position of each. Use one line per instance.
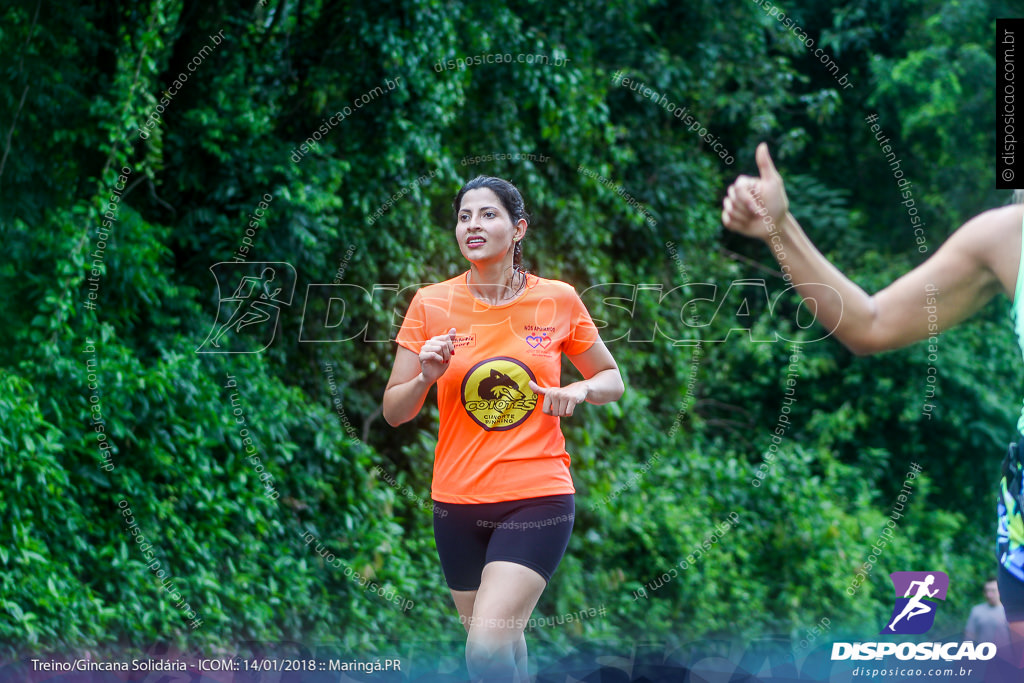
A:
(81, 78)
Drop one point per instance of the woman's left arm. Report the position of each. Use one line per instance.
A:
(601, 383)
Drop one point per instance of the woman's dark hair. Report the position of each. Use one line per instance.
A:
(510, 199)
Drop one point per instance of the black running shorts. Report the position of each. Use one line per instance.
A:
(533, 532)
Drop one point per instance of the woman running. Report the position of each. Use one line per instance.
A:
(977, 262)
(492, 340)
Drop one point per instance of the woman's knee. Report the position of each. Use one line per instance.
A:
(486, 628)
(489, 643)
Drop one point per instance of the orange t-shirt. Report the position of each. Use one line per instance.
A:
(494, 442)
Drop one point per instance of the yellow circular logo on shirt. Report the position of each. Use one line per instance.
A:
(496, 393)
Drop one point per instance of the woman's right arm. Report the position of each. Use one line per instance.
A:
(957, 280)
(412, 376)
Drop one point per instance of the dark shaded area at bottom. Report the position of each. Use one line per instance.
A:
(441, 661)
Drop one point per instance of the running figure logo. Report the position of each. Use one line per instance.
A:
(254, 306)
(914, 612)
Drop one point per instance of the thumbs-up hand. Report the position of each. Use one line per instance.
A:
(756, 206)
(560, 401)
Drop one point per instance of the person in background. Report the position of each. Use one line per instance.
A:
(987, 622)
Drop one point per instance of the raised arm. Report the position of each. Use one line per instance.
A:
(412, 376)
(972, 266)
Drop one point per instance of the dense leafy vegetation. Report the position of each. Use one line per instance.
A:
(622, 194)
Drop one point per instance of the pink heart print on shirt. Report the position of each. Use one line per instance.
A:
(542, 341)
